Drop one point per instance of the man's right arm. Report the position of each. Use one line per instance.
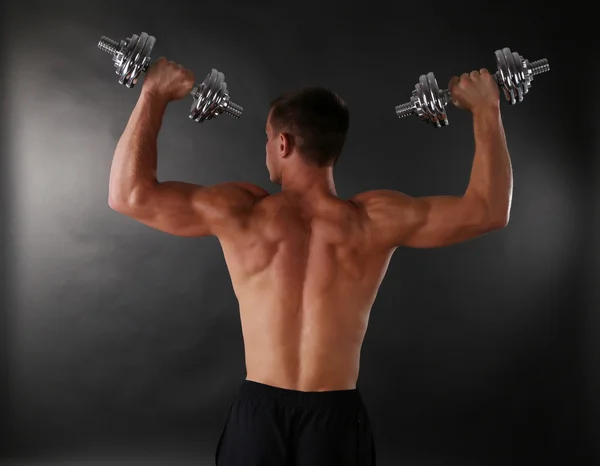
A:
(396, 219)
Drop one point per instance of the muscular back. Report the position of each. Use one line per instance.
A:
(306, 273)
(306, 277)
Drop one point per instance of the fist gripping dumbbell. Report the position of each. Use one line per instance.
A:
(132, 57)
(514, 77)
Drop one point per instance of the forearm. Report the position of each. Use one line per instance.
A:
(491, 173)
(135, 159)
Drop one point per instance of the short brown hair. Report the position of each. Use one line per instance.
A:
(317, 120)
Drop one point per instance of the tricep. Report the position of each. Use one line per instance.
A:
(396, 219)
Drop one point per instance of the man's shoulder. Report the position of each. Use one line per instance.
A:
(362, 201)
(254, 190)
(375, 198)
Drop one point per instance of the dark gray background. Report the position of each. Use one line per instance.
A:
(122, 343)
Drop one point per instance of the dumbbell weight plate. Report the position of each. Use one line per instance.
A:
(428, 101)
(135, 58)
(513, 76)
(210, 97)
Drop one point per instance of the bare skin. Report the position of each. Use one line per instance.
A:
(306, 265)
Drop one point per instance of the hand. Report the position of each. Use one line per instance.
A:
(475, 91)
(168, 80)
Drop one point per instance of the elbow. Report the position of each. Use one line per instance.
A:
(497, 222)
(125, 203)
(119, 201)
(122, 206)
(490, 217)
(117, 204)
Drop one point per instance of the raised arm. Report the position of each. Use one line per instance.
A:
(177, 208)
(395, 219)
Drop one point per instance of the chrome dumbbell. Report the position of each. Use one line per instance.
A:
(514, 76)
(132, 58)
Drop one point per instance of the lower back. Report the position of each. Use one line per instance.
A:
(312, 348)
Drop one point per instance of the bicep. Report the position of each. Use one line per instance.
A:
(185, 209)
(425, 222)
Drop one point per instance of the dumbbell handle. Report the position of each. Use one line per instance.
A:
(111, 47)
(537, 67)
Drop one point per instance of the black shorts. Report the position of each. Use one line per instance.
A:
(270, 426)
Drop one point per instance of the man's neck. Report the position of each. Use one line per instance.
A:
(309, 190)
(309, 183)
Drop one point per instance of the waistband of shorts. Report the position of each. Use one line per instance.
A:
(343, 398)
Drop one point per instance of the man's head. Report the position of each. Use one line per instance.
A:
(307, 125)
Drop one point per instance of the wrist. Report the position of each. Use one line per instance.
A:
(153, 106)
(153, 97)
(487, 111)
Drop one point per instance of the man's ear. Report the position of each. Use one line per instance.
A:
(285, 144)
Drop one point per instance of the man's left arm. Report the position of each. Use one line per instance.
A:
(177, 208)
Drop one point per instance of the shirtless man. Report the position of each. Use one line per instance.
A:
(305, 265)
